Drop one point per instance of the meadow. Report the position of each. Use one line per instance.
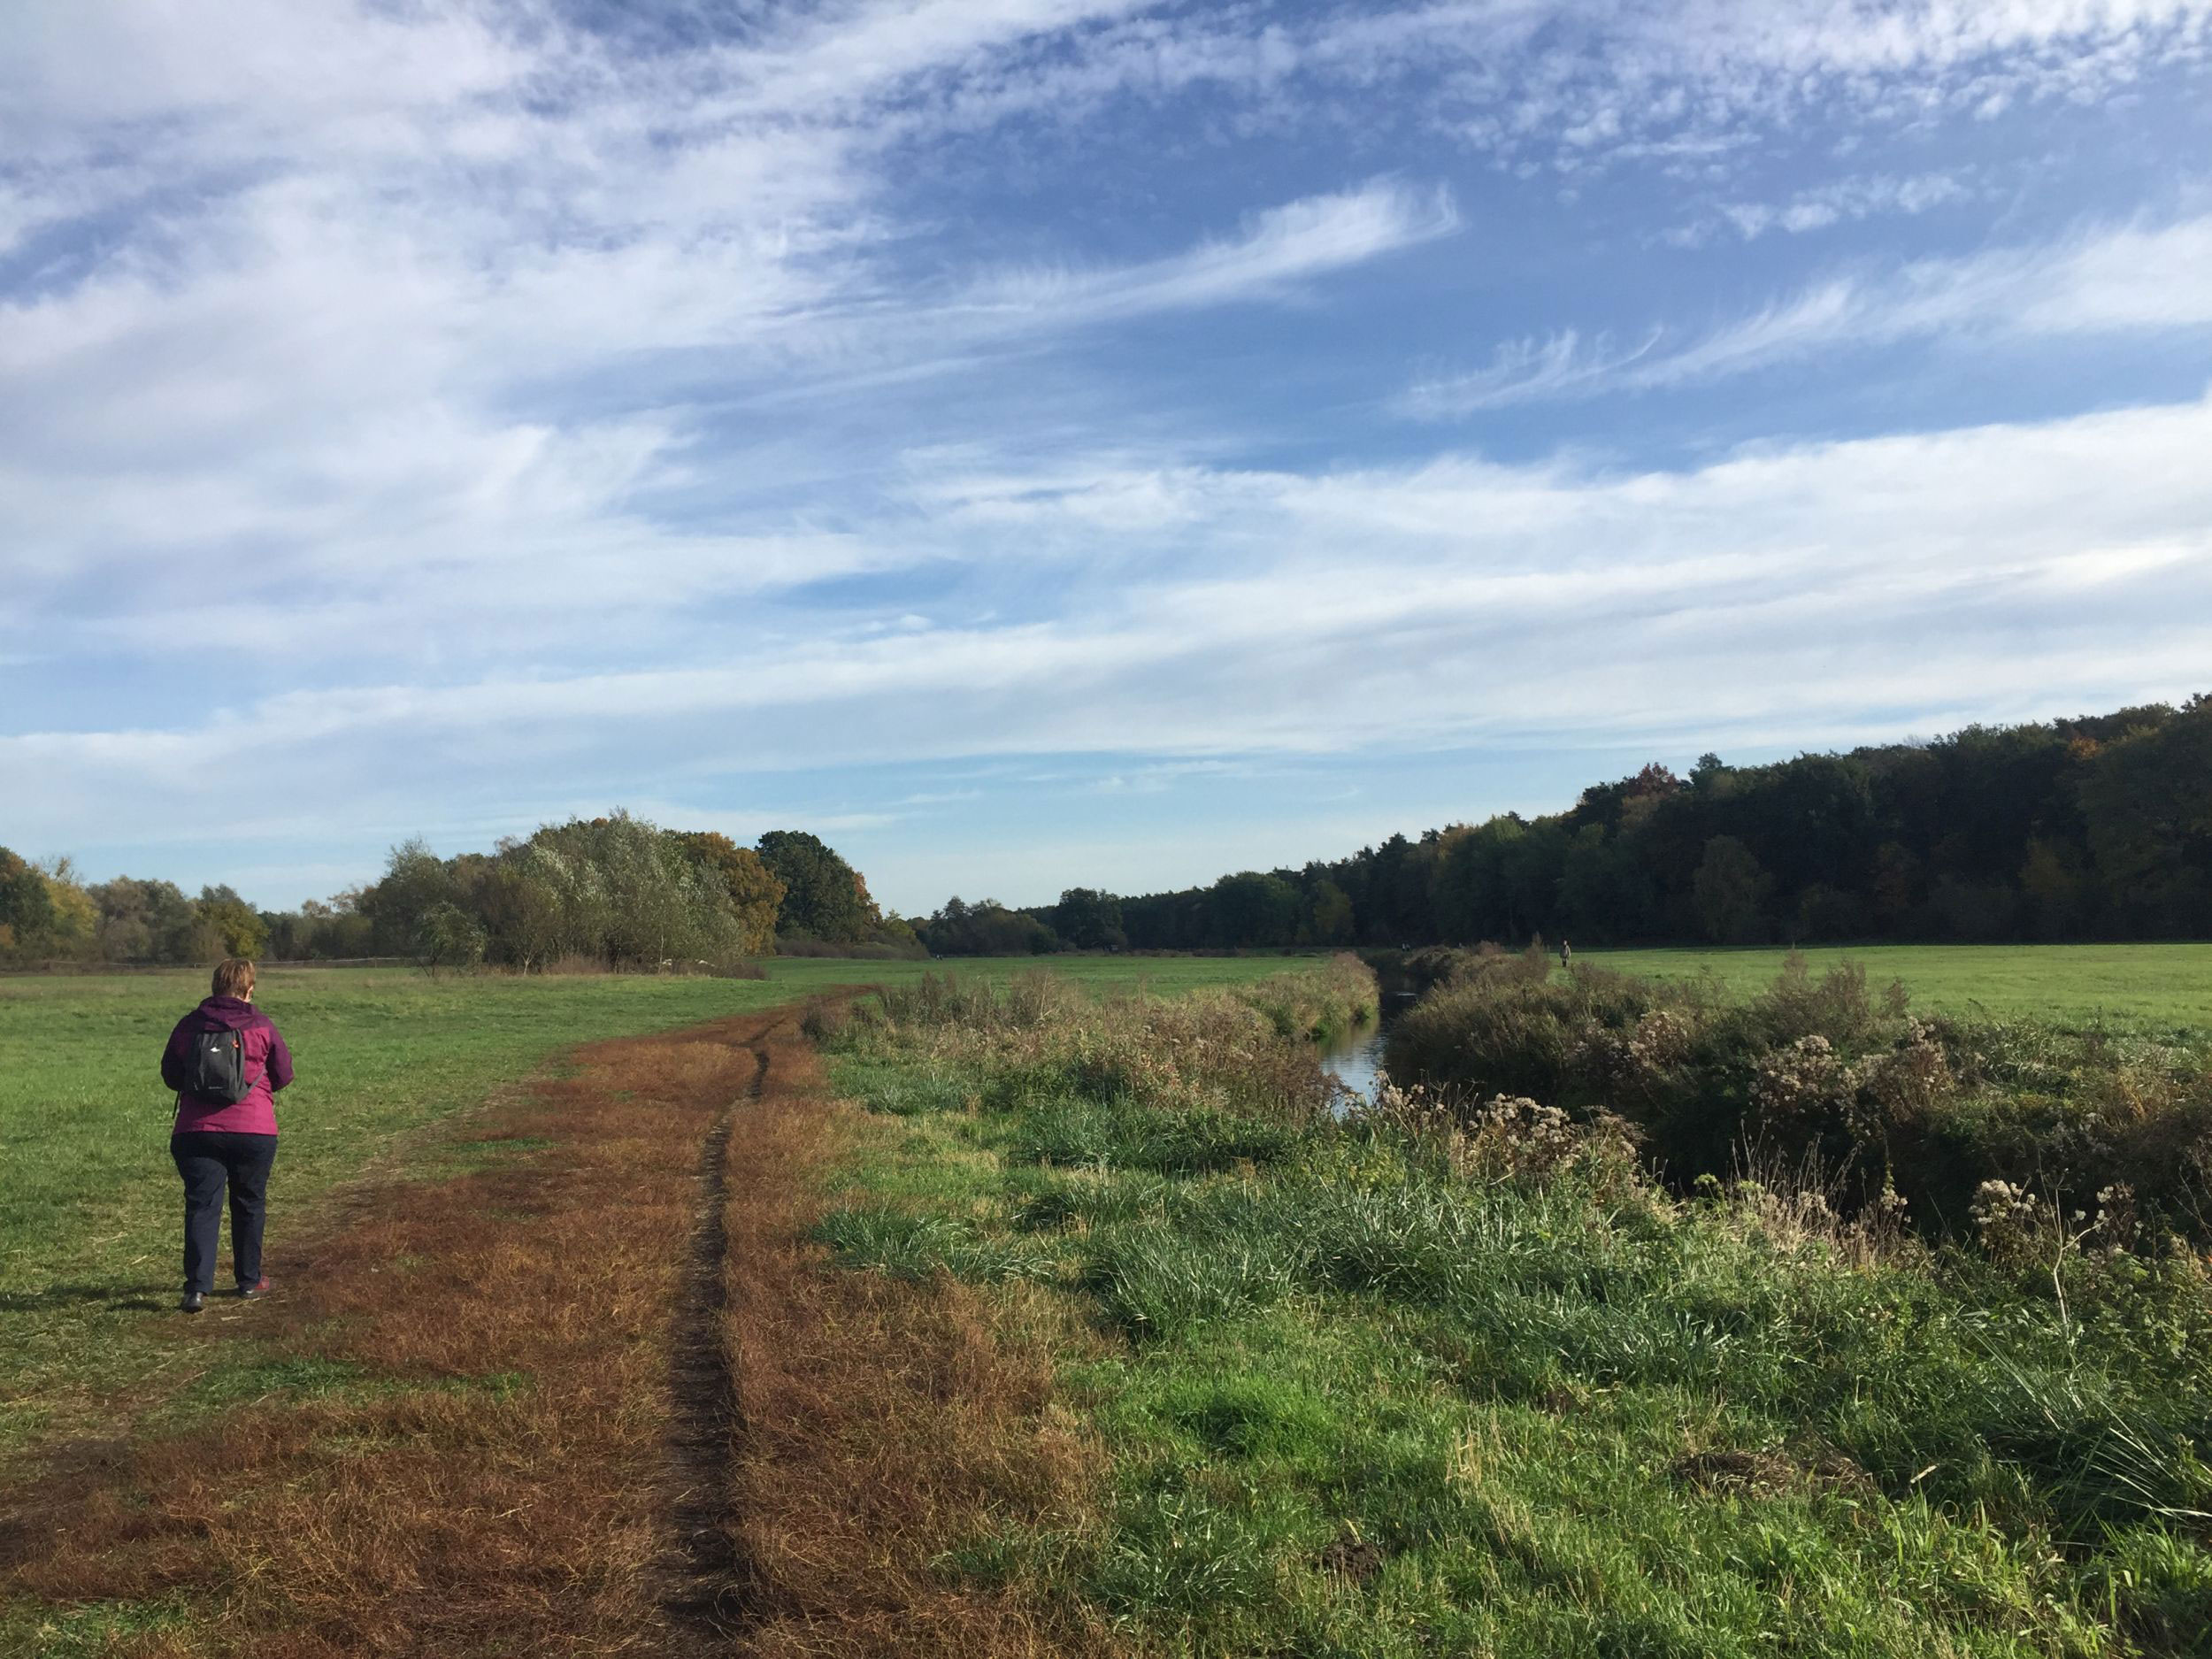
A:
(2157, 985)
(88, 1218)
(1264, 1378)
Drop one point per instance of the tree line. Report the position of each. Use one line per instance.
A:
(2097, 827)
(616, 892)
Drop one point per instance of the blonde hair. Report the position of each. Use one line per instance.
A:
(235, 978)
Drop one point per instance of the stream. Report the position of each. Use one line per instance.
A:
(1355, 1058)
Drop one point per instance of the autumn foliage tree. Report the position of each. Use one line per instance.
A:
(755, 892)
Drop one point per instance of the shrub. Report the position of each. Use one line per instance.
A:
(1320, 1005)
(1046, 1041)
(1815, 1068)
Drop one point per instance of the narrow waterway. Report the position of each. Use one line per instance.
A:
(1356, 1059)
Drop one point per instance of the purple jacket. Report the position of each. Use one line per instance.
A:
(268, 1068)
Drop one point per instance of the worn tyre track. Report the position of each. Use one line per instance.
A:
(714, 1593)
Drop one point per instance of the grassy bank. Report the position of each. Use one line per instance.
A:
(1415, 1383)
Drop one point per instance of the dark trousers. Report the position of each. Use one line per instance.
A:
(208, 1159)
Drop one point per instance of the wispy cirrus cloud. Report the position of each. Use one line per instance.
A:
(159, 416)
(1839, 202)
(1278, 248)
(2133, 279)
(1573, 86)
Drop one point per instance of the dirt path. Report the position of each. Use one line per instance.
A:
(470, 1442)
(599, 1396)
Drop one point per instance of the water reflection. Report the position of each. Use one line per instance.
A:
(1355, 1061)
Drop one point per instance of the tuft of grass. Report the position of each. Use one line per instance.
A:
(90, 1629)
(908, 1246)
(1117, 1133)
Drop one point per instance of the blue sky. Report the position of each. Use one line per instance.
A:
(1035, 443)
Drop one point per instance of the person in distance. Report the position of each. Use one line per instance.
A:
(226, 1060)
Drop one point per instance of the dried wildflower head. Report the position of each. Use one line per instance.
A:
(1908, 1079)
(2012, 1222)
(2119, 1224)
(1803, 1080)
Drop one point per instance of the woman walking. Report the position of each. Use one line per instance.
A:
(225, 1062)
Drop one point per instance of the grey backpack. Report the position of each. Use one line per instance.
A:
(218, 1070)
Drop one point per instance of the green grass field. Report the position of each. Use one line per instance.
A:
(89, 1213)
(2151, 985)
(1355, 1398)
(88, 1216)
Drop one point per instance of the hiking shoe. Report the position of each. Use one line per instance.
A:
(259, 1287)
(194, 1301)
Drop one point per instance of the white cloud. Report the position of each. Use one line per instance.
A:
(1841, 201)
(1651, 79)
(1529, 371)
(257, 66)
(2129, 280)
(1581, 85)
(1279, 247)
(333, 384)
(2011, 567)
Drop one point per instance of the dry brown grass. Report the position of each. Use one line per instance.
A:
(885, 1421)
(436, 1513)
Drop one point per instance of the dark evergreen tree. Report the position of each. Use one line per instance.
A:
(823, 896)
